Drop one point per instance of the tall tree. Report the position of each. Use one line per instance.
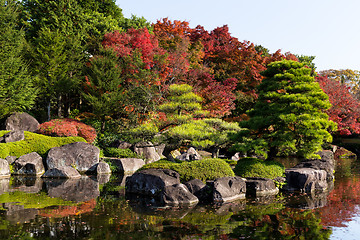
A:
(16, 88)
(288, 116)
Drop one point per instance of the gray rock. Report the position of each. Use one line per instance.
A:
(103, 168)
(127, 165)
(305, 180)
(227, 189)
(4, 169)
(78, 190)
(160, 149)
(121, 144)
(200, 190)
(4, 185)
(190, 155)
(26, 183)
(178, 194)
(148, 151)
(22, 122)
(62, 172)
(11, 159)
(29, 164)
(80, 155)
(151, 182)
(12, 136)
(260, 187)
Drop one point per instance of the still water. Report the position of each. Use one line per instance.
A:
(91, 208)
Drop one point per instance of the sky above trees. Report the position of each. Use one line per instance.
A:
(327, 29)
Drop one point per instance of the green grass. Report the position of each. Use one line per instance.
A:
(253, 167)
(120, 153)
(34, 143)
(206, 169)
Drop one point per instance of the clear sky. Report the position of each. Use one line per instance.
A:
(327, 29)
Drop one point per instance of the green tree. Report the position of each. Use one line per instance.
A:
(288, 116)
(103, 89)
(16, 88)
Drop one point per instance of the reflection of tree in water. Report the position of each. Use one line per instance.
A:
(343, 202)
(286, 224)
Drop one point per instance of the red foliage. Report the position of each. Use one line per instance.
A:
(345, 110)
(67, 127)
(64, 211)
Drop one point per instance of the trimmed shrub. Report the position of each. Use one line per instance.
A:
(206, 169)
(34, 143)
(68, 127)
(253, 167)
(120, 153)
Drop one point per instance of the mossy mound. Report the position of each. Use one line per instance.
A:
(253, 167)
(34, 143)
(206, 169)
(120, 153)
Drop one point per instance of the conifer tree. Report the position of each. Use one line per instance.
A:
(288, 116)
(16, 89)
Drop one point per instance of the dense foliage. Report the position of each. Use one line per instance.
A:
(252, 167)
(206, 169)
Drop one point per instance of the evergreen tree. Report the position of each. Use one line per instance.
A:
(288, 116)
(16, 89)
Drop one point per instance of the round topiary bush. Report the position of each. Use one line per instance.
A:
(206, 169)
(253, 167)
(67, 127)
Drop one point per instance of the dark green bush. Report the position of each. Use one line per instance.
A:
(206, 169)
(120, 153)
(34, 143)
(253, 167)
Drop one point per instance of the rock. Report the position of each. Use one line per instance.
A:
(151, 182)
(260, 187)
(147, 150)
(26, 183)
(341, 152)
(327, 163)
(190, 155)
(200, 190)
(22, 122)
(126, 165)
(78, 190)
(160, 149)
(11, 159)
(29, 164)
(178, 194)
(4, 169)
(228, 189)
(174, 155)
(305, 180)
(12, 136)
(312, 200)
(4, 185)
(103, 168)
(237, 156)
(62, 172)
(80, 155)
(121, 144)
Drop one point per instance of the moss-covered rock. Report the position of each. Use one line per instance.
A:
(34, 143)
(253, 167)
(206, 169)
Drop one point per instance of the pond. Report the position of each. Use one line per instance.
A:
(91, 208)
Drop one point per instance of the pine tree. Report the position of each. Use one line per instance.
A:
(16, 89)
(288, 116)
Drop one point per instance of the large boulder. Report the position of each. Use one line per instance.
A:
(102, 168)
(189, 155)
(62, 172)
(29, 164)
(305, 180)
(151, 182)
(326, 163)
(4, 169)
(121, 144)
(178, 194)
(22, 122)
(147, 150)
(80, 155)
(12, 136)
(258, 187)
(227, 189)
(126, 165)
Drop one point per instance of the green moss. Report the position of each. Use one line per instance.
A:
(34, 143)
(206, 169)
(119, 153)
(32, 200)
(252, 167)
